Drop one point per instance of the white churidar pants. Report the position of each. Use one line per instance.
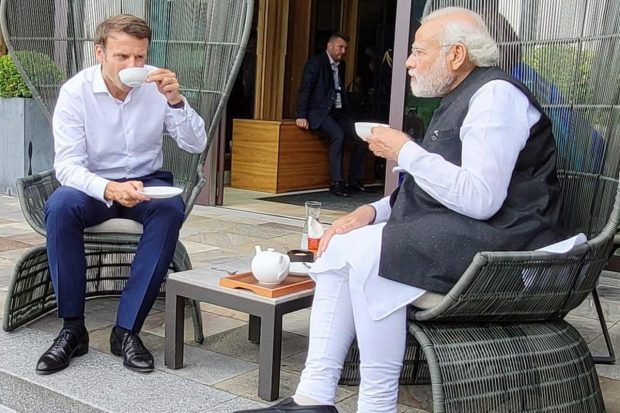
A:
(351, 300)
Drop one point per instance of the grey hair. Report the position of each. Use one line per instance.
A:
(481, 47)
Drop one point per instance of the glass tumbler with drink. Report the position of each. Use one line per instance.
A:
(313, 212)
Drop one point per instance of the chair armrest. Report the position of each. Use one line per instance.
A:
(33, 191)
(522, 286)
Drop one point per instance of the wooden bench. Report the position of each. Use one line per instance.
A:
(277, 156)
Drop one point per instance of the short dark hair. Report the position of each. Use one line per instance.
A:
(338, 35)
(126, 23)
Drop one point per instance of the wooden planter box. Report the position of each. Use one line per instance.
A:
(277, 156)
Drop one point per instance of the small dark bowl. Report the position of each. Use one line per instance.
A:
(301, 255)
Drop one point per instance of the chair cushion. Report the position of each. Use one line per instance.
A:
(427, 300)
(120, 225)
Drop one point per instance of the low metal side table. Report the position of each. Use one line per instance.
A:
(265, 325)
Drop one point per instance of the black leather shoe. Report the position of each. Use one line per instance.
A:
(289, 405)
(128, 344)
(357, 186)
(67, 345)
(338, 188)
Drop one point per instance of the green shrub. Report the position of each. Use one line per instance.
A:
(11, 83)
(41, 70)
(566, 66)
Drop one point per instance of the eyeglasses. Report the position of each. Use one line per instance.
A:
(417, 51)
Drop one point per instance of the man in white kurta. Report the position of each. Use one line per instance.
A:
(351, 299)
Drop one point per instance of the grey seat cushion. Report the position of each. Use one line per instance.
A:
(118, 225)
(427, 300)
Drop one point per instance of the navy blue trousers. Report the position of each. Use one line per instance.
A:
(69, 211)
(338, 128)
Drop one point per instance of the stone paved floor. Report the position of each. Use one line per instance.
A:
(223, 239)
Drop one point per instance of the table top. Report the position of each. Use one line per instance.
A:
(209, 279)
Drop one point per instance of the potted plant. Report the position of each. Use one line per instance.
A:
(26, 145)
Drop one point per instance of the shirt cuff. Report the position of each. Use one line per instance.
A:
(408, 154)
(382, 210)
(182, 114)
(97, 188)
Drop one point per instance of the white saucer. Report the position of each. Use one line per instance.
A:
(299, 268)
(159, 192)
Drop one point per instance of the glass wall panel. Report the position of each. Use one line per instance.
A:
(568, 54)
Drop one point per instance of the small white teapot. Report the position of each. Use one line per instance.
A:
(270, 267)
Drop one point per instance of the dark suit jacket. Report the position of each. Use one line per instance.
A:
(317, 93)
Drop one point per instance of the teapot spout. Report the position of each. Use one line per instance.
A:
(257, 249)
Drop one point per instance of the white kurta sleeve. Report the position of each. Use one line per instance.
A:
(494, 131)
(382, 209)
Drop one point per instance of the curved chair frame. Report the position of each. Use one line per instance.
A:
(108, 265)
(507, 337)
(220, 53)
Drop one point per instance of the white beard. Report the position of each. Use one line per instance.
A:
(437, 82)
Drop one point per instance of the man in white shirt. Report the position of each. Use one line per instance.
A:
(108, 147)
(483, 179)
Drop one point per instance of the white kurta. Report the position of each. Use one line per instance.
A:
(494, 131)
(360, 251)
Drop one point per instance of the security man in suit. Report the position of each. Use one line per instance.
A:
(323, 106)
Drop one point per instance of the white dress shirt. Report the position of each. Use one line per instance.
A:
(98, 138)
(334, 65)
(494, 132)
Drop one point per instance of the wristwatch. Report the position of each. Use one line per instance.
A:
(178, 105)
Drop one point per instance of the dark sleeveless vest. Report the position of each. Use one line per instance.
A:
(428, 245)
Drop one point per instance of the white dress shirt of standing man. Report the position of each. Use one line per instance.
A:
(108, 141)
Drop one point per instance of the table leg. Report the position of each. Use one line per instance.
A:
(270, 354)
(254, 329)
(175, 324)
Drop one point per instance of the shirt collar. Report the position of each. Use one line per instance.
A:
(331, 60)
(99, 85)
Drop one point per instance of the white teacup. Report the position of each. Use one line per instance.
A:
(133, 76)
(364, 129)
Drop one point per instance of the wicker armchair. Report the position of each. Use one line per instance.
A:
(498, 340)
(202, 41)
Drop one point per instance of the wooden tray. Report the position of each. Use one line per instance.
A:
(246, 280)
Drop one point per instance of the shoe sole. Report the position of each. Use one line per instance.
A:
(77, 353)
(139, 369)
